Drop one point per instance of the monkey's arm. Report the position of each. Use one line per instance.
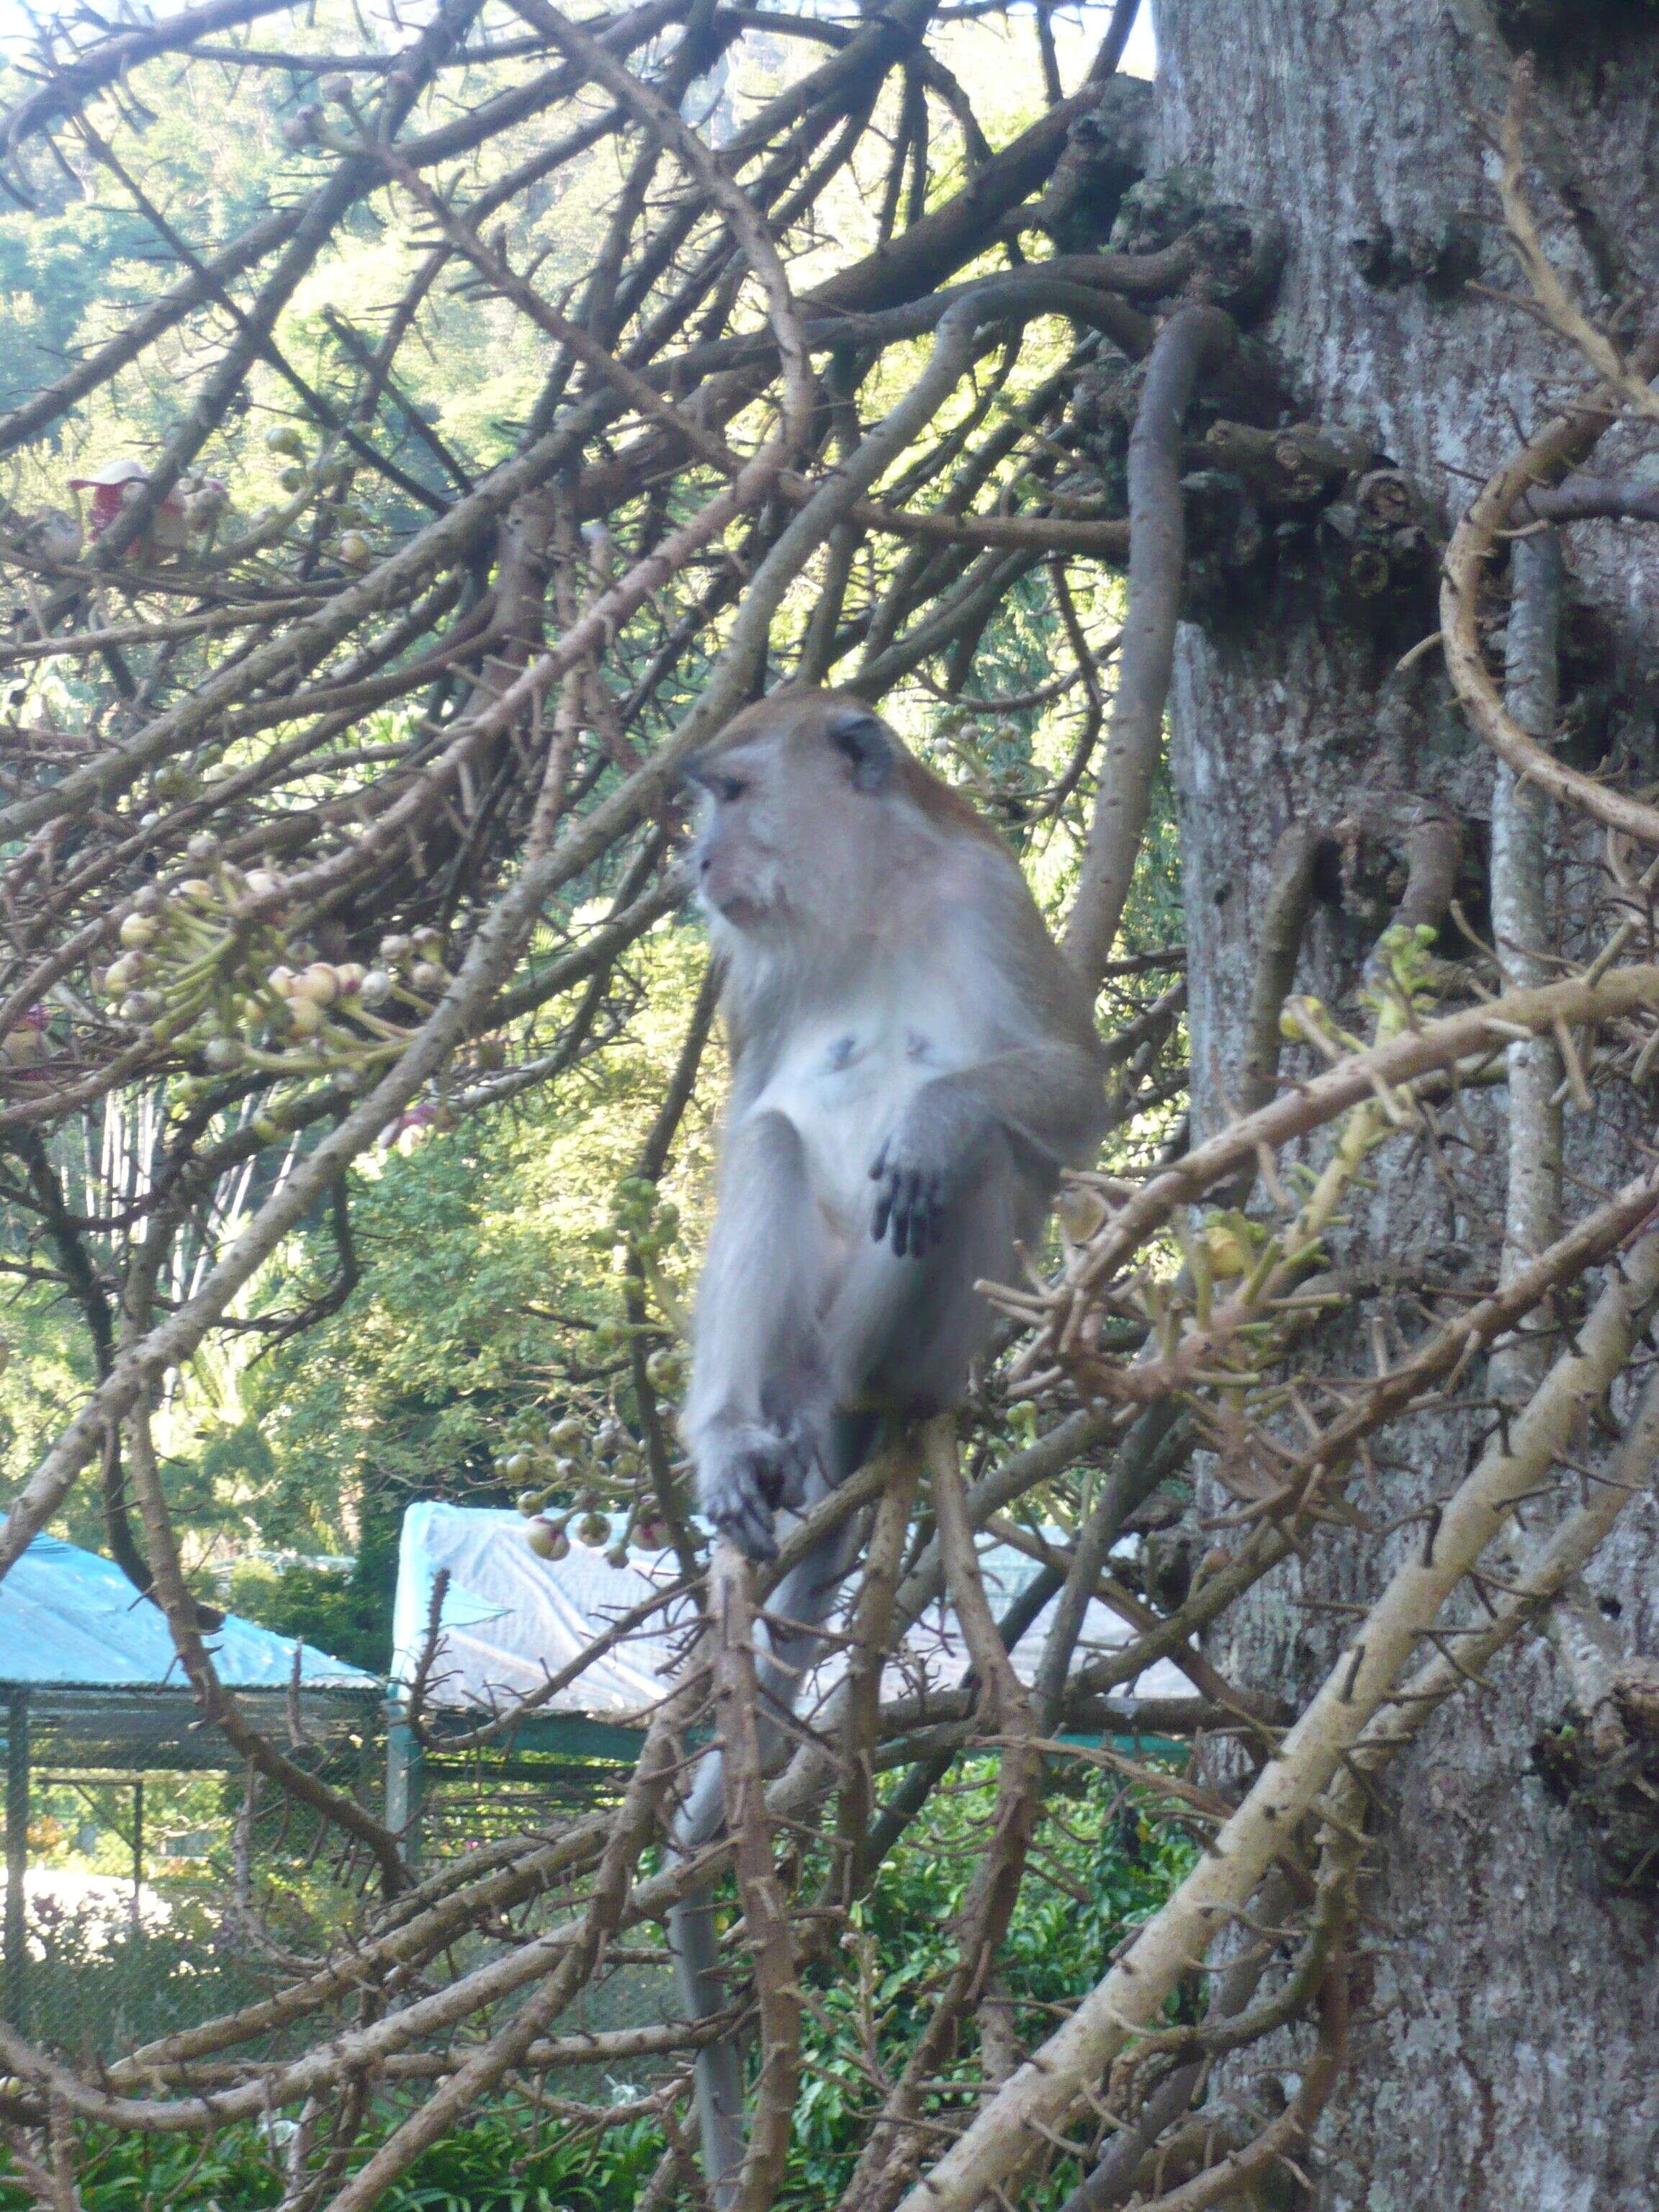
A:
(1049, 1100)
(758, 1410)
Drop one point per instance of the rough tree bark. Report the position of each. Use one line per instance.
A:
(1509, 2053)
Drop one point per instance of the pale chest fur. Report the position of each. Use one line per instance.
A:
(853, 1064)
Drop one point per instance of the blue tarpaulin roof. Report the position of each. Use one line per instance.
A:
(69, 1620)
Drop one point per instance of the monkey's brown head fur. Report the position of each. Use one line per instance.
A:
(810, 802)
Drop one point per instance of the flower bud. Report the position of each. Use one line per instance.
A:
(427, 977)
(375, 988)
(319, 983)
(138, 931)
(299, 131)
(665, 1371)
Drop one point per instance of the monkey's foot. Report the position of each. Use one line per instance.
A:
(745, 1471)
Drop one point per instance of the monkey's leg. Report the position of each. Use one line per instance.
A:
(759, 1412)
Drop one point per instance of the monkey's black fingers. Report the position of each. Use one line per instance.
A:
(905, 1224)
(920, 1207)
(926, 1214)
(928, 1220)
(883, 1210)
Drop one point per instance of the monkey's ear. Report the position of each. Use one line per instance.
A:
(864, 739)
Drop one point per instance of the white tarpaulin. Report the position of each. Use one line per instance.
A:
(510, 1620)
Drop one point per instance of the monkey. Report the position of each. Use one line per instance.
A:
(912, 1065)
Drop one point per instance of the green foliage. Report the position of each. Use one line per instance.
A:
(347, 1614)
(98, 1982)
(508, 2158)
(1106, 1865)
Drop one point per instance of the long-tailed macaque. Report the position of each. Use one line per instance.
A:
(912, 1066)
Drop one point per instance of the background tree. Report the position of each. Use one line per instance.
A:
(507, 399)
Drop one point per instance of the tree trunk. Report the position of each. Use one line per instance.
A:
(1507, 2053)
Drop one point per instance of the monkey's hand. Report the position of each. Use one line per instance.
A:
(745, 1471)
(920, 1170)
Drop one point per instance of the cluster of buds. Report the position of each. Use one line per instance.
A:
(206, 968)
(644, 1227)
(308, 478)
(579, 1476)
(410, 967)
(574, 1480)
(993, 761)
(309, 126)
(642, 1220)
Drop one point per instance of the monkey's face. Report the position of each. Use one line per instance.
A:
(739, 854)
(790, 806)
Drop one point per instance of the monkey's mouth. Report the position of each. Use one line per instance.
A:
(741, 910)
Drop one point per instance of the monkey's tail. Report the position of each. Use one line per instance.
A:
(802, 1604)
(719, 2078)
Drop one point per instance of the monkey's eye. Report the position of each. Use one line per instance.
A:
(728, 789)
